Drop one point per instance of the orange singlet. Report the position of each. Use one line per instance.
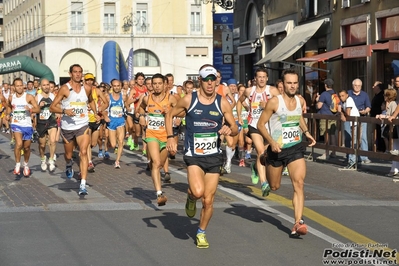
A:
(139, 91)
(156, 118)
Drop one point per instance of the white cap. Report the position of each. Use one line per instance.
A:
(206, 71)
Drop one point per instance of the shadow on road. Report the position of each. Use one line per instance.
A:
(257, 215)
(180, 227)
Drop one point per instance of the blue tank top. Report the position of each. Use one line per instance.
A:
(202, 125)
(116, 108)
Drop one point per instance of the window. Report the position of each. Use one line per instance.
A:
(77, 17)
(109, 18)
(141, 18)
(195, 23)
(145, 58)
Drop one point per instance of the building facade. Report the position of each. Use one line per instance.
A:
(166, 36)
(340, 39)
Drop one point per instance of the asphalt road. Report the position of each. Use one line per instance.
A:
(44, 222)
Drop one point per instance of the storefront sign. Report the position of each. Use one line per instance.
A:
(394, 46)
(357, 51)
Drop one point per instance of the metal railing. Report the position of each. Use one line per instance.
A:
(313, 119)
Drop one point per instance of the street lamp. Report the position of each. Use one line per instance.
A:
(128, 23)
(225, 4)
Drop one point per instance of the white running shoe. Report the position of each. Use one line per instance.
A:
(51, 165)
(43, 165)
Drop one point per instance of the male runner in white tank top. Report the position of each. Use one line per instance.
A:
(286, 127)
(74, 98)
(258, 96)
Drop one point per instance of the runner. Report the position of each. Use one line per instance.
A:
(157, 104)
(94, 126)
(140, 90)
(46, 125)
(6, 91)
(205, 111)
(74, 98)
(284, 115)
(258, 96)
(20, 107)
(232, 141)
(116, 125)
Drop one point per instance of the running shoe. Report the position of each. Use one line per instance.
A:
(131, 146)
(83, 190)
(242, 163)
(191, 207)
(51, 165)
(12, 142)
(265, 189)
(3, 130)
(136, 148)
(69, 172)
(116, 150)
(254, 174)
(55, 157)
(26, 171)
(248, 156)
(8, 131)
(43, 164)
(351, 165)
(227, 168)
(117, 165)
(300, 228)
(22, 152)
(100, 154)
(201, 241)
(106, 155)
(144, 153)
(161, 200)
(17, 170)
(129, 141)
(285, 171)
(166, 177)
(90, 168)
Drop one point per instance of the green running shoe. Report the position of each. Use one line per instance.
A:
(265, 189)
(254, 174)
(191, 207)
(201, 241)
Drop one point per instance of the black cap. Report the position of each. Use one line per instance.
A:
(329, 83)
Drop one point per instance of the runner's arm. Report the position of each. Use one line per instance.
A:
(32, 101)
(230, 127)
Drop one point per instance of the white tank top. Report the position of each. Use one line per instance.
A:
(78, 102)
(20, 116)
(6, 94)
(284, 124)
(255, 110)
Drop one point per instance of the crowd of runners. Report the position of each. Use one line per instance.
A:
(156, 113)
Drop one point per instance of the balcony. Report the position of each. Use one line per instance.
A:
(77, 28)
(110, 28)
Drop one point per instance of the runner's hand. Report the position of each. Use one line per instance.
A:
(310, 139)
(225, 130)
(171, 146)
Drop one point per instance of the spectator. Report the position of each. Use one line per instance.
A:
(363, 104)
(376, 109)
(324, 102)
(349, 109)
(310, 97)
(390, 97)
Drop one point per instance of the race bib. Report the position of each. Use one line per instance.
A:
(256, 110)
(79, 108)
(156, 121)
(205, 143)
(116, 111)
(45, 113)
(291, 132)
(18, 116)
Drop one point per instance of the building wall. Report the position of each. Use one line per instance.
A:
(48, 32)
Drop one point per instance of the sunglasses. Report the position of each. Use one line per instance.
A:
(209, 78)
